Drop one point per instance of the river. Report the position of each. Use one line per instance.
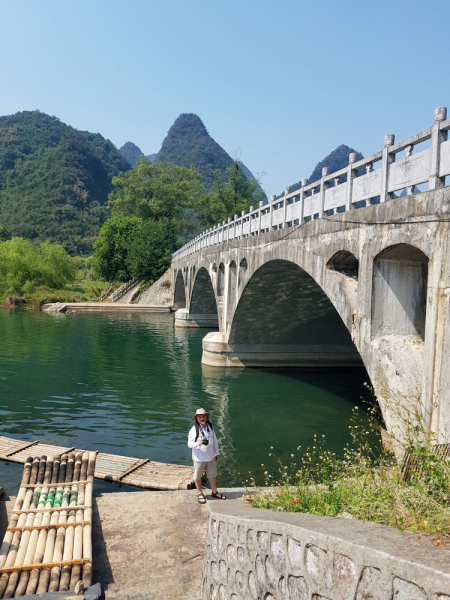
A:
(129, 384)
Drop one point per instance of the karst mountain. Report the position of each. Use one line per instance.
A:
(55, 180)
(188, 143)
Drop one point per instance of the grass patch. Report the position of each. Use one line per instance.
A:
(367, 481)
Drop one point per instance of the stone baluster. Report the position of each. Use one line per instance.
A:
(242, 223)
(437, 137)
(261, 204)
(387, 159)
(250, 220)
(302, 201)
(350, 175)
(323, 187)
(235, 227)
(272, 201)
(228, 229)
(286, 192)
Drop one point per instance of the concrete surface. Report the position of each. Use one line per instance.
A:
(106, 306)
(149, 545)
(146, 545)
(256, 553)
(160, 293)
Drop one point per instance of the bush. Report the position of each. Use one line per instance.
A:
(367, 481)
(23, 266)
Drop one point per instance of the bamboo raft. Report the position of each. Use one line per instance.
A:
(48, 542)
(125, 470)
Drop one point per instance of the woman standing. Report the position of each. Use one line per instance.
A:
(205, 453)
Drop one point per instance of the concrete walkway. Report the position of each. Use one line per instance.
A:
(126, 298)
(146, 545)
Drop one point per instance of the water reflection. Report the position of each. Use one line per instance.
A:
(130, 383)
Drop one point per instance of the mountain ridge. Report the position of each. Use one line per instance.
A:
(55, 180)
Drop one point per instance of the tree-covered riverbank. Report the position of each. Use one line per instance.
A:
(33, 275)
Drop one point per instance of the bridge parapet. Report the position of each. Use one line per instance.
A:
(386, 176)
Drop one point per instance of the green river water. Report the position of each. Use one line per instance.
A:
(129, 384)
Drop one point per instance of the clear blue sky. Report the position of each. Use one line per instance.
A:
(281, 84)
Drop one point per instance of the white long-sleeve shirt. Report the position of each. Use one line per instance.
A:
(203, 453)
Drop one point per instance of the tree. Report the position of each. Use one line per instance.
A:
(22, 263)
(151, 247)
(154, 191)
(111, 249)
(4, 235)
(55, 265)
(228, 197)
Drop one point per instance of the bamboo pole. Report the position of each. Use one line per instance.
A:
(58, 477)
(25, 537)
(64, 583)
(55, 472)
(78, 537)
(14, 544)
(15, 516)
(77, 471)
(39, 519)
(42, 537)
(34, 534)
(70, 467)
(87, 531)
(74, 473)
(61, 531)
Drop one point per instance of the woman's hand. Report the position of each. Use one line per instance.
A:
(200, 442)
(217, 457)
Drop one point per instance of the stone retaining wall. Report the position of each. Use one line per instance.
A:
(265, 555)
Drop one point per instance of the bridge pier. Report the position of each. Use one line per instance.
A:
(183, 318)
(218, 353)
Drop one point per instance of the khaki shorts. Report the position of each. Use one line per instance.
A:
(210, 467)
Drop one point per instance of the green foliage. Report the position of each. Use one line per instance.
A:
(151, 205)
(111, 249)
(54, 180)
(228, 196)
(151, 246)
(4, 235)
(366, 481)
(189, 143)
(154, 191)
(24, 266)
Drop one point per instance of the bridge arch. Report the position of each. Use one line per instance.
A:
(344, 262)
(285, 317)
(221, 279)
(203, 305)
(179, 295)
(399, 292)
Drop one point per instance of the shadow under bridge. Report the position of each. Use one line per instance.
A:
(282, 318)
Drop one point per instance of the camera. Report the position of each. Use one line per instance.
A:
(205, 442)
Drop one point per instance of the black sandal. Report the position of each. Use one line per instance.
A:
(218, 495)
(201, 498)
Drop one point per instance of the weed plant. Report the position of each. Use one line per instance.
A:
(367, 482)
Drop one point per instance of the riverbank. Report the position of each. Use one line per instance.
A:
(71, 307)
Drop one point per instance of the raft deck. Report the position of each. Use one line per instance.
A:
(138, 472)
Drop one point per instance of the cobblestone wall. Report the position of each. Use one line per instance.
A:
(259, 554)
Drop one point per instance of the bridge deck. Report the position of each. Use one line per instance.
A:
(138, 472)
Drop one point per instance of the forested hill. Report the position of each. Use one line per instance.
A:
(188, 142)
(54, 180)
(133, 153)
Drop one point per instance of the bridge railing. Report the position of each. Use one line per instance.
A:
(377, 178)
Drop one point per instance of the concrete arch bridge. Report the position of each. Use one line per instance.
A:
(362, 287)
